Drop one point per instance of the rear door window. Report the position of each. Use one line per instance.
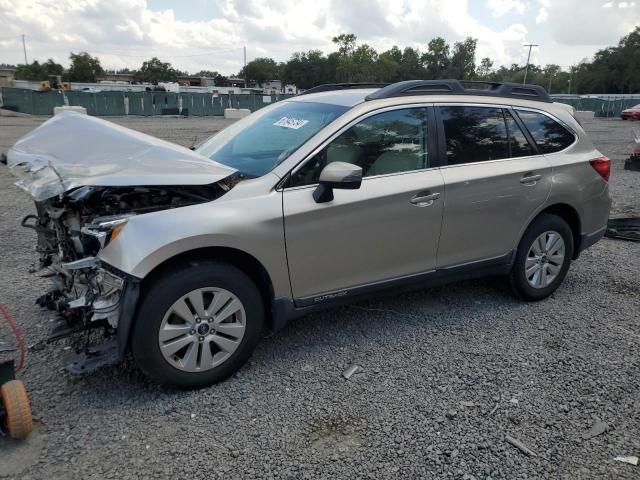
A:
(549, 135)
(520, 146)
(474, 134)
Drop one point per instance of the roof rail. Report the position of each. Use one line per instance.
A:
(455, 87)
(342, 86)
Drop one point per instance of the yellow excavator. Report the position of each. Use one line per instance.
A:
(54, 83)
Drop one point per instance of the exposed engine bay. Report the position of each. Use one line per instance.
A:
(74, 227)
(85, 192)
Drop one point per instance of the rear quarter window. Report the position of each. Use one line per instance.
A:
(549, 135)
(474, 134)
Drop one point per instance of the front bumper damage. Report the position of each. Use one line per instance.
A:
(85, 193)
(90, 297)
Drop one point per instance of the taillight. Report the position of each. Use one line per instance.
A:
(602, 165)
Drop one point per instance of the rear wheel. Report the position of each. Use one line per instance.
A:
(543, 258)
(17, 410)
(197, 325)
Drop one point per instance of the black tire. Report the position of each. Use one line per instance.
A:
(161, 295)
(517, 278)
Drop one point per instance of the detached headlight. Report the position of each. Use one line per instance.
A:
(106, 229)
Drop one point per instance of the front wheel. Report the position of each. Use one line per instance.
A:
(197, 325)
(543, 258)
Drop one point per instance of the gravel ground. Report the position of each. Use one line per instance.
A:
(446, 374)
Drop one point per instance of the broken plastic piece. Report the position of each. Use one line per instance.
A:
(633, 460)
(597, 429)
(624, 228)
(350, 371)
(93, 358)
(87, 262)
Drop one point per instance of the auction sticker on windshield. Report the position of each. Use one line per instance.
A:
(294, 123)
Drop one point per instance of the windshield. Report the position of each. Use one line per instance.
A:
(259, 142)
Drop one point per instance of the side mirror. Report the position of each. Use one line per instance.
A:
(337, 175)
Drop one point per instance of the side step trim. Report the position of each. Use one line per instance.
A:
(493, 266)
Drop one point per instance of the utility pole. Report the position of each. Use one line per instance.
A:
(570, 75)
(526, 69)
(245, 66)
(24, 49)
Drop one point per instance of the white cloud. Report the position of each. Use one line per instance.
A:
(590, 22)
(543, 14)
(619, 4)
(502, 7)
(123, 33)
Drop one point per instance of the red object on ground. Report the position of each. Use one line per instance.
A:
(17, 334)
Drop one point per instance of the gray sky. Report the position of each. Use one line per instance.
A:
(201, 34)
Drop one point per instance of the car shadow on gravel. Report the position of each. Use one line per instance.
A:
(437, 309)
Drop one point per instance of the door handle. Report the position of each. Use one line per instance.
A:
(530, 179)
(422, 200)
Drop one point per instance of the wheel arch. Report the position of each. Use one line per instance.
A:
(569, 215)
(238, 258)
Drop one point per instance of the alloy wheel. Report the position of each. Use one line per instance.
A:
(202, 329)
(545, 259)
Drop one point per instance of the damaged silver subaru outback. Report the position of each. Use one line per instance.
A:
(182, 257)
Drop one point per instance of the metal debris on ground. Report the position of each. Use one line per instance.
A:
(520, 446)
(597, 429)
(633, 460)
(624, 228)
(633, 162)
(350, 371)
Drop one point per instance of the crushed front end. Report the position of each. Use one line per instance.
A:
(88, 178)
(95, 301)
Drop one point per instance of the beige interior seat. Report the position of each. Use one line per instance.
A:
(344, 152)
(396, 161)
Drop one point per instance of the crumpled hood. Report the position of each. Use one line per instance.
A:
(72, 150)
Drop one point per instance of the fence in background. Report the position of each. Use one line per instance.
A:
(109, 103)
(601, 106)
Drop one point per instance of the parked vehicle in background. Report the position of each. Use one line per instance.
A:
(632, 113)
(182, 258)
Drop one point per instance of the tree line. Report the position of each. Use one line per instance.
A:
(85, 68)
(613, 70)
